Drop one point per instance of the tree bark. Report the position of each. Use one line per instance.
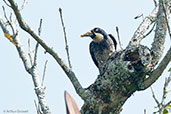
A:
(125, 71)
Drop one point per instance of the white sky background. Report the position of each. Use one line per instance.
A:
(17, 91)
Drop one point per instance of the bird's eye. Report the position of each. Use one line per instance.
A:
(96, 29)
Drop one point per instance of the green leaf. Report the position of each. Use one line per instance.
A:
(154, 112)
(165, 111)
(169, 107)
(155, 107)
(170, 70)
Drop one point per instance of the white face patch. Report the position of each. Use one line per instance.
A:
(99, 37)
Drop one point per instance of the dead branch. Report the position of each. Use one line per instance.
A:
(31, 70)
(65, 36)
(158, 104)
(143, 27)
(44, 71)
(67, 70)
(30, 52)
(117, 31)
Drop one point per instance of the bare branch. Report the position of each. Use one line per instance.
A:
(32, 71)
(145, 111)
(37, 105)
(23, 5)
(66, 69)
(65, 36)
(161, 106)
(155, 3)
(37, 45)
(35, 55)
(117, 31)
(158, 104)
(150, 30)
(138, 16)
(40, 27)
(139, 33)
(167, 104)
(44, 71)
(30, 52)
(6, 3)
(37, 109)
(5, 15)
(9, 21)
(167, 81)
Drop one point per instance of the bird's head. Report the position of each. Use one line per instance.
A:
(97, 34)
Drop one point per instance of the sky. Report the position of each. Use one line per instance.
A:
(80, 16)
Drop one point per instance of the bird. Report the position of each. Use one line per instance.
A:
(101, 47)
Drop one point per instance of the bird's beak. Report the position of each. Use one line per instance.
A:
(86, 34)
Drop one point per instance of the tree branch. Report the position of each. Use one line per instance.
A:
(160, 34)
(32, 71)
(66, 42)
(161, 106)
(117, 31)
(143, 27)
(30, 52)
(44, 71)
(66, 69)
(158, 47)
(158, 71)
(158, 104)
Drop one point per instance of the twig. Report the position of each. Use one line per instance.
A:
(144, 111)
(35, 55)
(23, 5)
(37, 44)
(158, 104)
(167, 80)
(162, 105)
(44, 71)
(5, 15)
(150, 31)
(8, 21)
(65, 36)
(117, 31)
(155, 3)
(30, 52)
(32, 71)
(138, 16)
(167, 104)
(6, 3)
(40, 27)
(36, 107)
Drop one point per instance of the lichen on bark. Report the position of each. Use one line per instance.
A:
(125, 71)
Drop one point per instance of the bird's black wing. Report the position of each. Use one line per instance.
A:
(114, 40)
(92, 49)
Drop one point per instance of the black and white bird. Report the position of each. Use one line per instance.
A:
(102, 46)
